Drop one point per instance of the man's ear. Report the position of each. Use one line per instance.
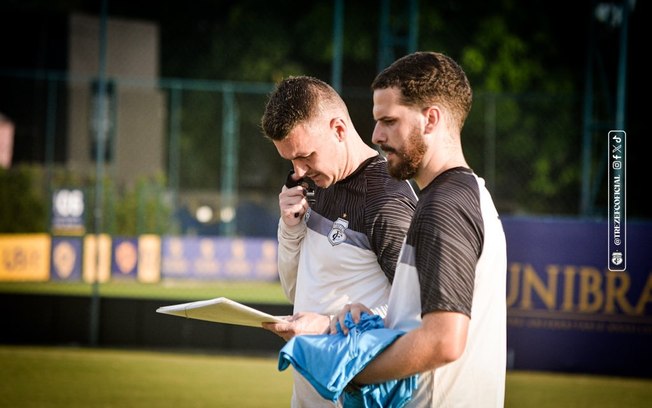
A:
(433, 115)
(339, 126)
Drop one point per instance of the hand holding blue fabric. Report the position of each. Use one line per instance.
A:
(329, 363)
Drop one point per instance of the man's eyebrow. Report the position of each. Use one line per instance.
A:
(300, 156)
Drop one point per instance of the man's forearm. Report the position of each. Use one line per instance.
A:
(289, 249)
(441, 339)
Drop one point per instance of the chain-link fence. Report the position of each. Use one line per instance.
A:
(189, 144)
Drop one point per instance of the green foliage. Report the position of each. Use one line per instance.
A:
(200, 140)
(537, 145)
(129, 210)
(22, 204)
(537, 136)
(525, 63)
(133, 209)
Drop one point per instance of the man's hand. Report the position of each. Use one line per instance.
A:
(300, 323)
(356, 309)
(293, 205)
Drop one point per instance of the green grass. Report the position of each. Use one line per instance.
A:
(549, 390)
(84, 377)
(80, 377)
(242, 291)
(73, 377)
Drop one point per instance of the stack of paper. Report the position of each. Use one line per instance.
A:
(220, 310)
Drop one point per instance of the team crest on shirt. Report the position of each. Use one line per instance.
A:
(337, 234)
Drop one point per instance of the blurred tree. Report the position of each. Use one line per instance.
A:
(506, 52)
(22, 206)
(526, 62)
(515, 86)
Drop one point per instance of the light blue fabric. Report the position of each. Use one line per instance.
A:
(329, 363)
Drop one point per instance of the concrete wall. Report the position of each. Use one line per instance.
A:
(132, 63)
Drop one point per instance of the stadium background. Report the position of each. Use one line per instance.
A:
(178, 143)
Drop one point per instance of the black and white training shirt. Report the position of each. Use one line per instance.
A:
(347, 247)
(454, 259)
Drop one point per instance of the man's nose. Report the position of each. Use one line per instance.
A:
(299, 170)
(377, 137)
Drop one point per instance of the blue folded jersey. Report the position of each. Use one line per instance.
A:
(329, 363)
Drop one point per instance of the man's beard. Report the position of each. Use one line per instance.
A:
(410, 157)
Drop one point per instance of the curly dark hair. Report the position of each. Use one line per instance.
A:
(426, 78)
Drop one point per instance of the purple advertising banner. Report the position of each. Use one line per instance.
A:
(214, 258)
(566, 310)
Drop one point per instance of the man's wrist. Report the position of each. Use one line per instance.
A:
(330, 322)
(291, 231)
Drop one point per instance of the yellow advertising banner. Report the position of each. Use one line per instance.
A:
(97, 267)
(25, 257)
(149, 258)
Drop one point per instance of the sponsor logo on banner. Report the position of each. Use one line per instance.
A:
(149, 258)
(97, 258)
(266, 264)
(175, 263)
(125, 258)
(207, 264)
(208, 258)
(25, 257)
(66, 259)
(68, 212)
(238, 265)
(562, 292)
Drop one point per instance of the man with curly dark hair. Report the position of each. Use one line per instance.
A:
(449, 289)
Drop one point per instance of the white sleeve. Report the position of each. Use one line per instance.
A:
(289, 248)
(380, 310)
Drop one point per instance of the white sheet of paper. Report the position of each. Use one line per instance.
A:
(220, 310)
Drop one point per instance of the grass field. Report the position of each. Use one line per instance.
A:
(88, 377)
(74, 377)
(79, 377)
(255, 292)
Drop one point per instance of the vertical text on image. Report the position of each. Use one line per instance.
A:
(616, 248)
